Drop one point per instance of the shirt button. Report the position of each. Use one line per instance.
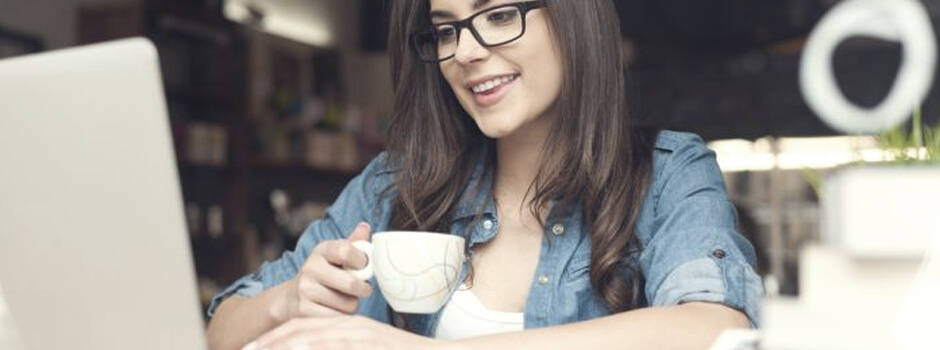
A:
(558, 229)
(720, 254)
(488, 225)
(543, 280)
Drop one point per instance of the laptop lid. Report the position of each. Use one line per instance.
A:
(9, 335)
(94, 252)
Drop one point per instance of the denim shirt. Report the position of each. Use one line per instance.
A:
(691, 250)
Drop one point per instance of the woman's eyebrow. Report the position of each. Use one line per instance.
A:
(441, 14)
(477, 4)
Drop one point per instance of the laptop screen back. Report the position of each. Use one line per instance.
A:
(94, 252)
(9, 335)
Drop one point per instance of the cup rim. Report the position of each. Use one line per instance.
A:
(432, 233)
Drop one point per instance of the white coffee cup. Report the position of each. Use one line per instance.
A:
(416, 271)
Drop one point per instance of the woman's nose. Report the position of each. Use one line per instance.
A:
(469, 49)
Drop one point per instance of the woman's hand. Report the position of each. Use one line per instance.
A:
(340, 332)
(323, 287)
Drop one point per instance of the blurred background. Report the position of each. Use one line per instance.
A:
(276, 104)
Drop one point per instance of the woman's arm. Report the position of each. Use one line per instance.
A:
(308, 281)
(687, 326)
(693, 326)
(238, 319)
(322, 288)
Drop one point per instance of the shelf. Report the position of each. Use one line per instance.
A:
(193, 98)
(194, 23)
(268, 166)
(209, 67)
(186, 166)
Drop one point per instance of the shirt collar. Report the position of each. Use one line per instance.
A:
(477, 193)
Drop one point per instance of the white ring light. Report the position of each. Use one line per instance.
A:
(904, 21)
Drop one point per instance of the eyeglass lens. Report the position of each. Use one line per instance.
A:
(496, 26)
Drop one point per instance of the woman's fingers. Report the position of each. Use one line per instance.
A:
(325, 273)
(311, 309)
(324, 286)
(362, 232)
(320, 333)
(320, 295)
(323, 289)
(343, 254)
(293, 333)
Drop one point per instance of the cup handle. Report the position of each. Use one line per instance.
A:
(364, 273)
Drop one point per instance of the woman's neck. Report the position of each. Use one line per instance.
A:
(518, 157)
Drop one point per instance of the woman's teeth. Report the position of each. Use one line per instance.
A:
(491, 84)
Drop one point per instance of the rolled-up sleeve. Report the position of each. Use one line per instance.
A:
(694, 252)
(356, 203)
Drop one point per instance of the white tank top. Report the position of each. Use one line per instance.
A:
(465, 316)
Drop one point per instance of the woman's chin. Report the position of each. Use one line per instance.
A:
(494, 131)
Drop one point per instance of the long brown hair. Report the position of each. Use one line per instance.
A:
(593, 153)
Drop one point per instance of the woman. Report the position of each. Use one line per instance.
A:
(510, 129)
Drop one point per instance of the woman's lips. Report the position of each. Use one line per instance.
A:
(493, 96)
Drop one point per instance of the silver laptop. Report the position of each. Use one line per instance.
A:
(94, 252)
(9, 335)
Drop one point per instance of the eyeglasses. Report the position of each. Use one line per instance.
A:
(495, 26)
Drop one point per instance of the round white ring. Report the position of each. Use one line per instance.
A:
(905, 21)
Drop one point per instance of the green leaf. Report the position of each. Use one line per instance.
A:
(814, 180)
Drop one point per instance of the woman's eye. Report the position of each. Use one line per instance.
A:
(502, 17)
(445, 34)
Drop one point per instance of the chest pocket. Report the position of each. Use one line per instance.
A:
(579, 267)
(587, 304)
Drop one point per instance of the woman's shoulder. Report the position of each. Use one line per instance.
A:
(679, 152)
(683, 166)
(378, 166)
(378, 174)
(671, 141)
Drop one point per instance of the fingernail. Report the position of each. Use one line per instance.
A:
(251, 346)
(365, 225)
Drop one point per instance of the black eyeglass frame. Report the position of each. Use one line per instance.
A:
(523, 7)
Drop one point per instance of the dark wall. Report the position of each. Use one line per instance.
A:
(373, 25)
(716, 24)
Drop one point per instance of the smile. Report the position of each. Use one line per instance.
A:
(491, 84)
